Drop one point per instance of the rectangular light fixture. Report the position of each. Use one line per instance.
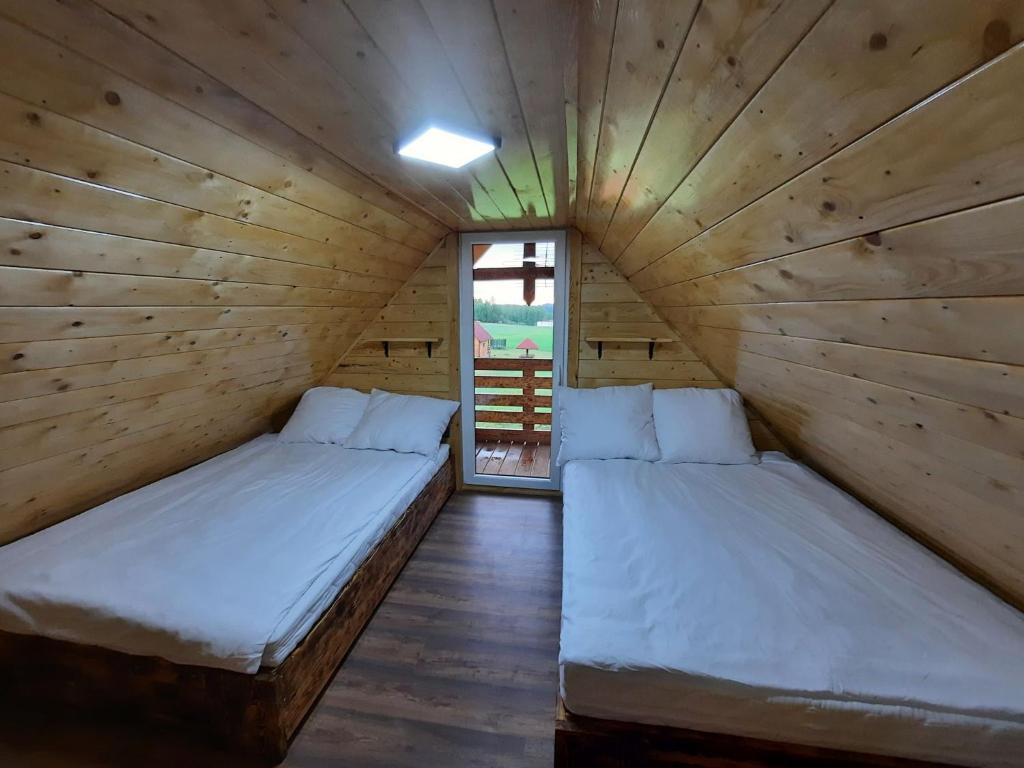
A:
(436, 145)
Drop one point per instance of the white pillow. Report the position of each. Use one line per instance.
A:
(402, 423)
(325, 415)
(607, 423)
(703, 426)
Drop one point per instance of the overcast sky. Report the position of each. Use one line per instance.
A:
(511, 291)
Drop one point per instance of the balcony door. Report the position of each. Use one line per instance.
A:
(513, 318)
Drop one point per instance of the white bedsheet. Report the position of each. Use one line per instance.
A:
(760, 600)
(227, 564)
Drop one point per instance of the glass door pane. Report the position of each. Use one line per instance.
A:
(512, 320)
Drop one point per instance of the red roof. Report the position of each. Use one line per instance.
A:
(527, 344)
(480, 333)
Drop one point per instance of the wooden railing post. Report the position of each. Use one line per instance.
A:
(527, 399)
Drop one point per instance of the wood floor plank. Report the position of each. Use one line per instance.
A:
(511, 462)
(497, 456)
(542, 462)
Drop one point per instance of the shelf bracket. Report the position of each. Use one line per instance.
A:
(387, 348)
(650, 350)
(600, 349)
(430, 349)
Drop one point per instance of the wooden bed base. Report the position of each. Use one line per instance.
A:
(597, 743)
(257, 713)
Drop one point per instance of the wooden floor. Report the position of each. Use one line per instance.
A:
(457, 668)
(513, 459)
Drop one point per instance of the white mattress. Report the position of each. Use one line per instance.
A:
(227, 564)
(760, 600)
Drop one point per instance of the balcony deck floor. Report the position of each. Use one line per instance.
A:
(513, 459)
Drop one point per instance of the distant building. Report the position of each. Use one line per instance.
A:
(481, 340)
(545, 323)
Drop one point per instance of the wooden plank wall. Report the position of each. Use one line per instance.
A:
(828, 204)
(426, 306)
(602, 302)
(175, 264)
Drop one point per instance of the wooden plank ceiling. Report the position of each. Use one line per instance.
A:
(357, 76)
(176, 263)
(826, 199)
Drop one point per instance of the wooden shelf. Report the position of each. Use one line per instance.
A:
(650, 341)
(430, 341)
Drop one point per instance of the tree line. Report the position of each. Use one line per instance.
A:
(513, 314)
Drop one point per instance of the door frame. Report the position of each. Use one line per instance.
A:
(559, 352)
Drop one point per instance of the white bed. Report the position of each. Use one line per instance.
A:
(227, 564)
(759, 600)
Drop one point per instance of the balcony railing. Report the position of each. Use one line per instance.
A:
(513, 400)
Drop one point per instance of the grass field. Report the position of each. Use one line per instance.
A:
(513, 334)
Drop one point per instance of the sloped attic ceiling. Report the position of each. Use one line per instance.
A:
(822, 196)
(771, 176)
(356, 76)
(176, 263)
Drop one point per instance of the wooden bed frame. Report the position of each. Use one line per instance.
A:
(598, 743)
(258, 713)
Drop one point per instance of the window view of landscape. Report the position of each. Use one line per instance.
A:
(513, 332)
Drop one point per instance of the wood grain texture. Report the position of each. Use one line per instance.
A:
(871, 61)
(605, 304)
(353, 79)
(176, 264)
(847, 253)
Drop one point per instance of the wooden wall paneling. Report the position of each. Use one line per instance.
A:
(28, 384)
(269, 64)
(647, 44)
(876, 182)
(982, 441)
(43, 246)
(975, 328)
(861, 65)
(946, 471)
(168, 387)
(29, 442)
(608, 305)
(168, 285)
(50, 287)
(976, 252)
(24, 324)
(537, 46)
(33, 499)
(57, 353)
(733, 47)
(423, 307)
(570, 89)
(34, 136)
(870, 307)
(991, 386)
(27, 194)
(597, 22)
(978, 537)
(473, 45)
(255, 147)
